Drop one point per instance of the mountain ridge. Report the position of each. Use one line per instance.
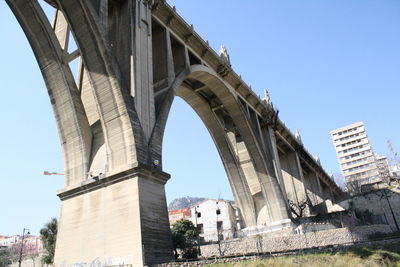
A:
(184, 202)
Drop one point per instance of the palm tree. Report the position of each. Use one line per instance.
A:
(48, 235)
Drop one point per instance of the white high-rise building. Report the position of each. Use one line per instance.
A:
(355, 155)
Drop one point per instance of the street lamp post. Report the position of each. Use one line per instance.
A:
(219, 230)
(198, 234)
(21, 251)
(52, 173)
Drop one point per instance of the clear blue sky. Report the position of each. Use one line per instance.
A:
(315, 57)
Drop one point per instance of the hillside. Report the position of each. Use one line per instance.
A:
(184, 202)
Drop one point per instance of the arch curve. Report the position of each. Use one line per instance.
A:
(73, 127)
(254, 185)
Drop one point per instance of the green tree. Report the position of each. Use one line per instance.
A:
(48, 235)
(5, 257)
(184, 236)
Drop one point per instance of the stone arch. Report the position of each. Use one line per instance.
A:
(73, 127)
(236, 176)
(122, 131)
(257, 192)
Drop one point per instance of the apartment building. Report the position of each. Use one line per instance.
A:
(355, 155)
(215, 220)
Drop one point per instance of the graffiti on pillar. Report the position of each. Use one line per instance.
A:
(101, 263)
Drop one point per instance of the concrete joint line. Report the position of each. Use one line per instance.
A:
(98, 183)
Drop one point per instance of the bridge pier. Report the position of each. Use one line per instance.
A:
(294, 182)
(115, 220)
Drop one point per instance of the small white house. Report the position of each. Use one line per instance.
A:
(215, 220)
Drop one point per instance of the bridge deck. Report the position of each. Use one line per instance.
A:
(164, 13)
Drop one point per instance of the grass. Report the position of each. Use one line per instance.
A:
(376, 256)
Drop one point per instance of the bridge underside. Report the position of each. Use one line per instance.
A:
(134, 57)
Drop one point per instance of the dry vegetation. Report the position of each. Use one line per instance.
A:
(378, 256)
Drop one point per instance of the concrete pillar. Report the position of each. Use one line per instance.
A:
(277, 163)
(274, 193)
(319, 187)
(293, 178)
(321, 195)
(314, 192)
(300, 170)
(310, 186)
(61, 29)
(121, 219)
(326, 191)
(142, 70)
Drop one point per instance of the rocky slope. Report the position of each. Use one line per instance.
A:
(184, 202)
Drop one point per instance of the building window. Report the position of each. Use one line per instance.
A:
(198, 214)
(218, 211)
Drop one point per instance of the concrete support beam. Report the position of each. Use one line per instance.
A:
(294, 181)
(73, 126)
(117, 220)
(318, 183)
(326, 192)
(61, 29)
(245, 163)
(237, 173)
(121, 134)
(273, 165)
(313, 192)
(275, 205)
(277, 162)
(142, 70)
(170, 59)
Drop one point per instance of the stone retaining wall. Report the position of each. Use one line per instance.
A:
(264, 244)
(207, 262)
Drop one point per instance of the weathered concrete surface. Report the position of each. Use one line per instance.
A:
(135, 57)
(115, 220)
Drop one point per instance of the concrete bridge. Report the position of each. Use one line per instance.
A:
(135, 57)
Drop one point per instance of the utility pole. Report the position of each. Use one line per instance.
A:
(21, 251)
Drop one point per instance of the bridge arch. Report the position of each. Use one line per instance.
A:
(137, 56)
(224, 117)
